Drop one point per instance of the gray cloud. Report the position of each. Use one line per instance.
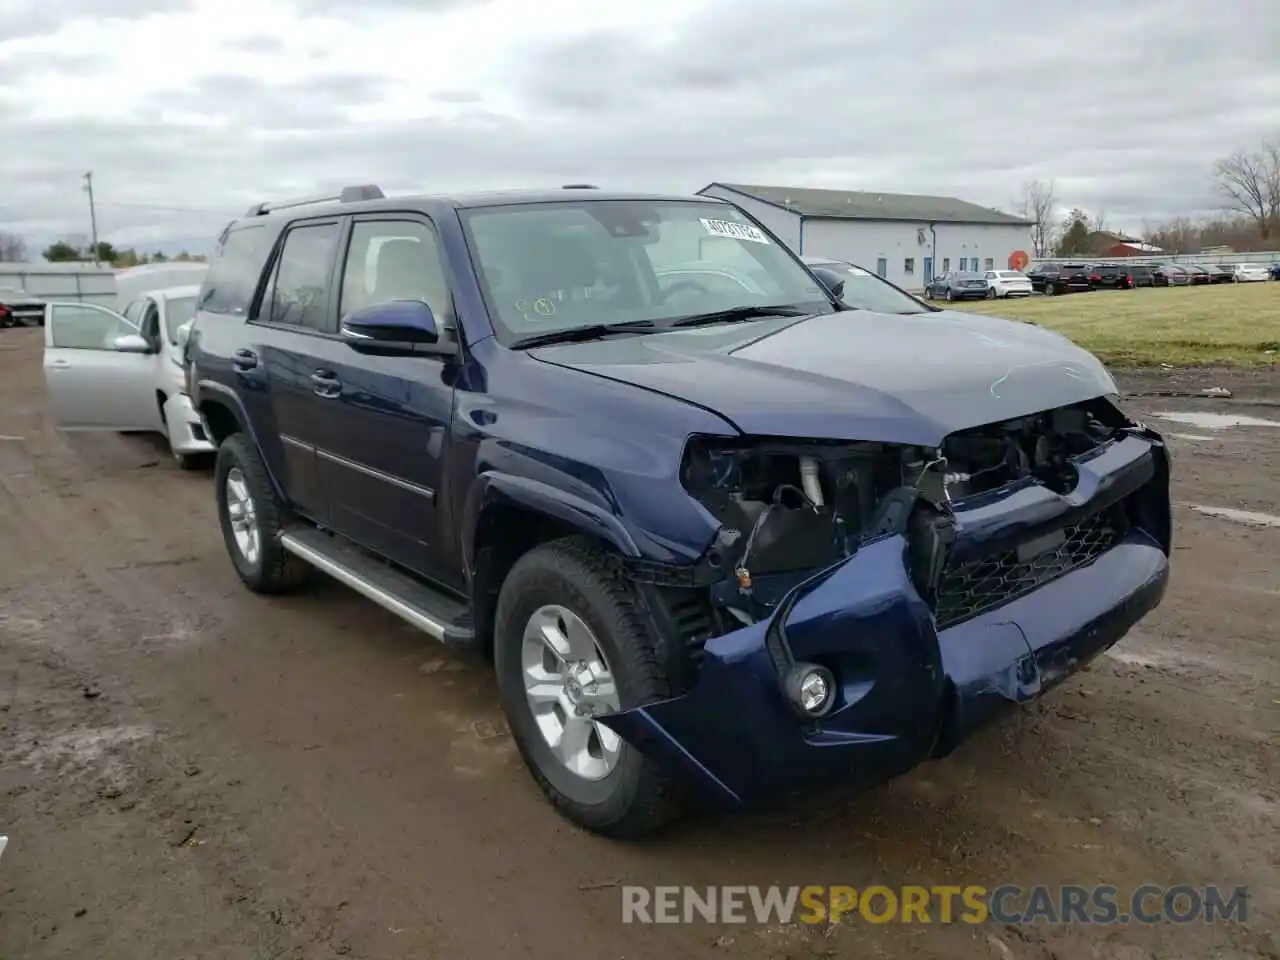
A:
(20, 19)
(904, 97)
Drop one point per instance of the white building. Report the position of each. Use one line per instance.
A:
(71, 280)
(906, 239)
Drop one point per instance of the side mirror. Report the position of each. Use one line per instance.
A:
(130, 343)
(392, 328)
(831, 281)
(183, 333)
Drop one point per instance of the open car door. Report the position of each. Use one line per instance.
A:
(99, 372)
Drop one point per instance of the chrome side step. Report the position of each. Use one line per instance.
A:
(434, 613)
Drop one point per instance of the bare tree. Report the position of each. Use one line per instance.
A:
(1250, 180)
(13, 249)
(1037, 204)
(1099, 224)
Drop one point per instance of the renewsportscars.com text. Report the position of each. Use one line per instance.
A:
(1007, 903)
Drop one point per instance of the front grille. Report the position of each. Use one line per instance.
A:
(968, 589)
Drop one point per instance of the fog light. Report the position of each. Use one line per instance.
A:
(812, 688)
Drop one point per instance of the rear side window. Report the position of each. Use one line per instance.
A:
(233, 274)
(299, 294)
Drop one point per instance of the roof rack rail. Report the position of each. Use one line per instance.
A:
(579, 186)
(367, 191)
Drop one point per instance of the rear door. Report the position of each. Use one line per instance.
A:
(91, 385)
(295, 329)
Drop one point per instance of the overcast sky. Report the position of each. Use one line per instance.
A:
(187, 111)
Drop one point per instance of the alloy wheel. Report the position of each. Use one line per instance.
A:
(568, 683)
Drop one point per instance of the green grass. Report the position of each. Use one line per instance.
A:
(1223, 324)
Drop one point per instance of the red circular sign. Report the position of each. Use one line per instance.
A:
(1018, 259)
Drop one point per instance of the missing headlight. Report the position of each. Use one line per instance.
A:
(786, 506)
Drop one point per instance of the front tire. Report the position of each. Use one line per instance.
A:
(569, 639)
(252, 518)
(991, 293)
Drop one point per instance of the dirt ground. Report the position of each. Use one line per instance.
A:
(192, 771)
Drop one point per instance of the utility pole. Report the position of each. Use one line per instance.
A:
(93, 216)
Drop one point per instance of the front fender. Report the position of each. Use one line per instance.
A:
(494, 490)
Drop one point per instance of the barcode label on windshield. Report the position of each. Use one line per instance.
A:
(734, 231)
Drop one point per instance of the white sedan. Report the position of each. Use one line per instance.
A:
(107, 371)
(1250, 273)
(1007, 283)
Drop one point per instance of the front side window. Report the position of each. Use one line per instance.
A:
(394, 260)
(81, 327)
(555, 266)
(866, 291)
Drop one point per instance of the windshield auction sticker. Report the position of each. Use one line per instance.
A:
(733, 231)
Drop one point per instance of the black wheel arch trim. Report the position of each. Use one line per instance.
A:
(494, 489)
(224, 394)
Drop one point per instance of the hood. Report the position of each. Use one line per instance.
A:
(853, 375)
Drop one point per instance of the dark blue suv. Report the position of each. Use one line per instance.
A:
(724, 526)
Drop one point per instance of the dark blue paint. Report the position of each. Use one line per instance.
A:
(591, 435)
(396, 321)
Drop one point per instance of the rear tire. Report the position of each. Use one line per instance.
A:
(254, 516)
(567, 581)
(991, 293)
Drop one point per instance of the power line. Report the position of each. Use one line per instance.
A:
(161, 207)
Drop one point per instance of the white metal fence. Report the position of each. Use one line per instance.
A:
(1207, 259)
(62, 281)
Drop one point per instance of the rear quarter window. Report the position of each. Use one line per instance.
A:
(235, 270)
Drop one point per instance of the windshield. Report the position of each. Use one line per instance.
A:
(551, 267)
(867, 291)
(177, 311)
(1010, 275)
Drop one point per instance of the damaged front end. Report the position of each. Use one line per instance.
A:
(863, 605)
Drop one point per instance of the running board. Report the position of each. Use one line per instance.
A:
(434, 613)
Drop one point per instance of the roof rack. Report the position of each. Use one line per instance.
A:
(367, 191)
(579, 186)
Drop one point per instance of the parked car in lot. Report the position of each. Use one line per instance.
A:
(1274, 270)
(1115, 276)
(1142, 275)
(17, 309)
(1007, 283)
(1221, 272)
(1249, 272)
(1197, 274)
(109, 371)
(956, 285)
(1171, 275)
(1053, 279)
(862, 289)
(718, 544)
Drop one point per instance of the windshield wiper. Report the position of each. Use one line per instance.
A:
(736, 314)
(593, 331)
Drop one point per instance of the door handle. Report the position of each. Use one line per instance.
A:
(244, 360)
(325, 384)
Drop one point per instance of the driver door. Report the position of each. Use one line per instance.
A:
(90, 383)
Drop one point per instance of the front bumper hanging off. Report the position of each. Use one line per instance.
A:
(905, 689)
